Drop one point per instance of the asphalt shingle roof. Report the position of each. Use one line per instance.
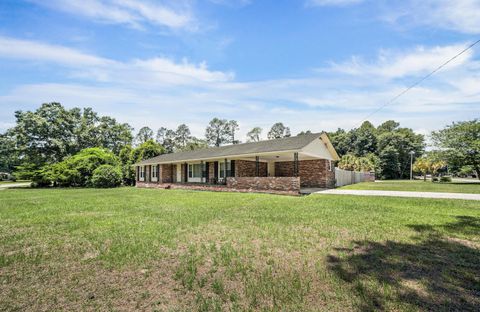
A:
(278, 145)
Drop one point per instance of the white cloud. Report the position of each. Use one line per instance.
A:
(32, 50)
(160, 92)
(458, 15)
(332, 2)
(391, 64)
(133, 13)
(154, 71)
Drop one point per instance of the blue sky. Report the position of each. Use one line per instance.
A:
(311, 64)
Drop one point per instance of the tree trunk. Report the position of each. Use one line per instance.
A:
(425, 177)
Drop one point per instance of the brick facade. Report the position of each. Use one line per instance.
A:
(209, 187)
(246, 168)
(312, 173)
(166, 173)
(285, 184)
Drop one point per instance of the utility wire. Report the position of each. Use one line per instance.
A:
(418, 82)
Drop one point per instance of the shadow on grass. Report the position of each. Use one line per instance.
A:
(437, 273)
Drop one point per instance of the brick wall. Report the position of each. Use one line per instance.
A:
(312, 173)
(166, 173)
(285, 184)
(246, 168)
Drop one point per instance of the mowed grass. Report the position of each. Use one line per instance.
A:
(173, 250)
(417, 186)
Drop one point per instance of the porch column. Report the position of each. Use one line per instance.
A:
(295, 164)
(145, 173)
(257, 166)
(150, 174)
(225, 170)
(201, 166)
(158, 174)
(186, 172)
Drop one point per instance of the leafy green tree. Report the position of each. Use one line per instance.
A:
(217, 133)
(195, 144)
(8, 153)
(107, 176)
(364, 139)
(305, 132)
(161, 135)
(254, 134)
(182, 136)
(76, 170)
(389, 163)
(388, 126)
(169, 142)
(147, 150)
(144, 134)
(461, 143)
(278, 131)
(233, 127)
(342, 141)
(46, 135)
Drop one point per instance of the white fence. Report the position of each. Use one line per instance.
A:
(346, 177)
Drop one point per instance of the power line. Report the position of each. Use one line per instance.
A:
(418, 82)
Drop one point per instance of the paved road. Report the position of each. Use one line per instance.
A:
(402, 194)
(7, 185)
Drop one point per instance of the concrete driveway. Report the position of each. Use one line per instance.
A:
(8, 185)
(401, 194)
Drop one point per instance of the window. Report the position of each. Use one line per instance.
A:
(194, 170)
(142, 172)
(221, 169)
(154, 171)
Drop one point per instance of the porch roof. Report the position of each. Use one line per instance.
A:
(293, 144)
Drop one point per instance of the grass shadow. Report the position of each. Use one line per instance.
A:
(435, 273)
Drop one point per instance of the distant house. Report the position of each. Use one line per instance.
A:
(281, 165)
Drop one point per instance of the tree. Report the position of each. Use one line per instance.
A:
(182, 136)
(195, 144)
(217, 132)
(461, 142)
(161, 135)
(351, 162)
(388, 126)
(144, 134)
(389, 163)
(233, 127)
(169, 141)
(342, 141)
(423, 166)
(147, 150)
(364, 139)
(305, 132)
(254, 134)
(278, 131)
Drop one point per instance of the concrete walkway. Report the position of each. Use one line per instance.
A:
(402, 194)
(8, 185)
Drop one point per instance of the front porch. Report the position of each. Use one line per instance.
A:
(277, 172)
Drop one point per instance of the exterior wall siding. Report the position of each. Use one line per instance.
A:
(246, 168)
(312, 173)
(166, 173)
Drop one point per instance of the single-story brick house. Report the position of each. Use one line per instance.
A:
(281, 165)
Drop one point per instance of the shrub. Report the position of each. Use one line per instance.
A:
(445, 179)
(107, 176)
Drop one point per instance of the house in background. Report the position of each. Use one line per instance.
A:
(282, 166)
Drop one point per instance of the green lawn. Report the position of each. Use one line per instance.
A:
(417, 186)
(173, 250)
